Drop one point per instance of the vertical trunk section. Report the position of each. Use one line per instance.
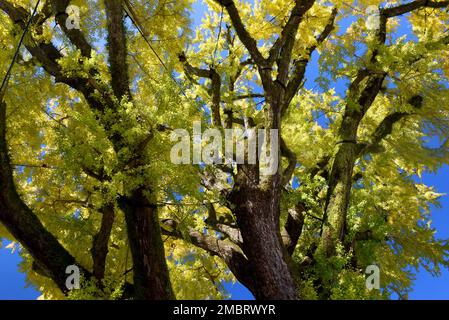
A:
(117, 48)
(258, 218)
(257, 208)
(340, 180)
(338, 198)
(340, 183)
(101, 242)
(150, 271)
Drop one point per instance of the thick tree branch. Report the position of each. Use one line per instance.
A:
(291, 157)
(385, 127)
(244, 36)
(101, 240)
(293, 227)
(250, 44)
(150, 272)
(300, 65)
(117, 48)
(288, 33)
(215, 90)
(340, 178)
(47, 55)
(230, 231)
(230, 253)
(74, 35)
(283, 47)
(50, 256)
(414, 5)
(248, 96)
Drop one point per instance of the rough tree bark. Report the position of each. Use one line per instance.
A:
(150, 272)
(262, 242)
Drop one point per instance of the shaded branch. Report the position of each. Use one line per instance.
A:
(385, 127)
(281, 50)
(244, 36)
(293, 227)
(117, 48)
(291, 157)
(414, 5)
(101, 240)
(231, 232)
(300, 65)
(248, 96)
(215, 89)
(228, 252)
(75, 35)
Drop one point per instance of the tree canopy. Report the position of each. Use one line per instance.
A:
(358, 96)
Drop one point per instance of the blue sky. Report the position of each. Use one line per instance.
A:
(426, 286)
(12, 282)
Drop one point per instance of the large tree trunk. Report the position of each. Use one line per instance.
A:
(257, 208)
(150, 271)
(258, 218)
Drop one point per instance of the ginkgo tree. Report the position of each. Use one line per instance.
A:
(86, 138)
